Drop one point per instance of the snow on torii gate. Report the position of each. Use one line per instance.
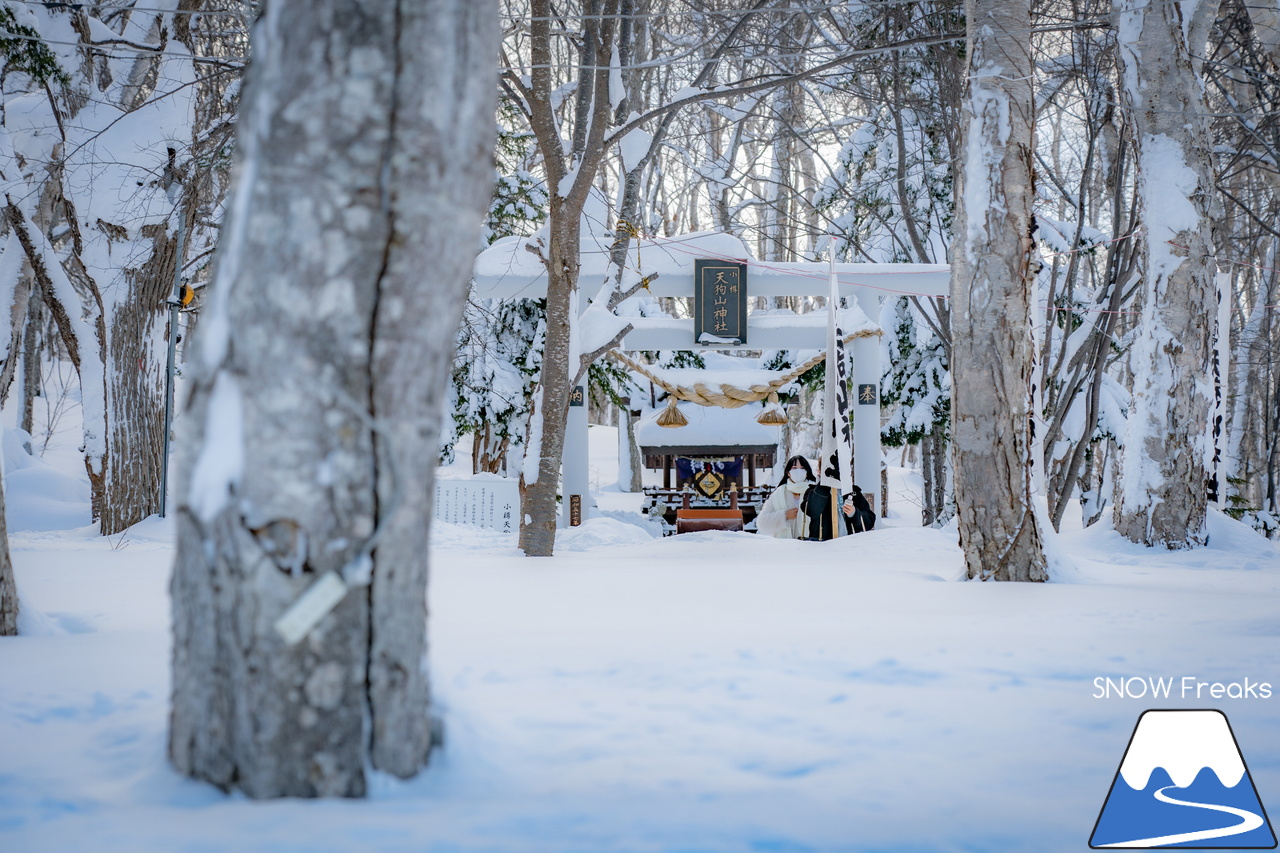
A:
(507, 270)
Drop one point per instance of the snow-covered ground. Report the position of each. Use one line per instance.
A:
(711, 692)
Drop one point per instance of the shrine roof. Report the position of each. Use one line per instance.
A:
(711, 428)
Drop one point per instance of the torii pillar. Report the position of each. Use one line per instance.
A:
(867, 454)
(575, 464)
(575, 460)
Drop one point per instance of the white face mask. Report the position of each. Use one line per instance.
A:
(798, 475)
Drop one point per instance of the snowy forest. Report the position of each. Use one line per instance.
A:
(241, 328)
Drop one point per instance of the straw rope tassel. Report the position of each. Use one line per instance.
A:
(672, 416)
(772, 415)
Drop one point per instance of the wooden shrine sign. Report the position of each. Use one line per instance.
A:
(719, 302)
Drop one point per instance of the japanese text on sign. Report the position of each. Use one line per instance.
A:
(720, 302)
(486, 503)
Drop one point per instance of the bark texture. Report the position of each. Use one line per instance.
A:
(127, 486)
(8, 590)
(365, 171)
(992, 273)
(1161, 498)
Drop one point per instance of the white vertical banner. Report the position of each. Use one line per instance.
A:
(1215, 447)
(837, 451)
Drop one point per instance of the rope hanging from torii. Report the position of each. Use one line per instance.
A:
(725, 395)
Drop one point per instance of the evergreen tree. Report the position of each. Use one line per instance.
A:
(500, 342)
(916, 388)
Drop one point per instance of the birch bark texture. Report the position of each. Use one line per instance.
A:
(8, 589)
(365, 170)
(1161, 491)
(993, 269)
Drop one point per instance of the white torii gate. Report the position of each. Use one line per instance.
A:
(507, 270)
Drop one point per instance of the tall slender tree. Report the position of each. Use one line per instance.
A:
(8, 589)
(365, 168)
(1161, 497)
(993, 267)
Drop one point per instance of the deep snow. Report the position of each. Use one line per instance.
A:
(713, 692)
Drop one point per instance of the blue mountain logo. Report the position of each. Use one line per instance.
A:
(1183, 783)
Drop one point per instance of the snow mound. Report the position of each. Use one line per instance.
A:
(40, 498)
(446, 535)
(1230, 535)
(600, 532)
(33, 623)
(1229, 540)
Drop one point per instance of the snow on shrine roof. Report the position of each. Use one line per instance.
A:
(709, 426)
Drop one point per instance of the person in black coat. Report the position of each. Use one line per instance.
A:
(816, 506)
(859, 517)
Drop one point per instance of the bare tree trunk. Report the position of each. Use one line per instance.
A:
(364, 174)
(539, 484)
(569, 175)
(15, 296)
(32, 344)
(137, 341)
(992, 274)
(933, 460)
(1161, 498)
(8, 590)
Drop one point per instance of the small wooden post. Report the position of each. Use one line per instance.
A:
(836, 512)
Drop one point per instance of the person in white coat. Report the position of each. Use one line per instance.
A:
(781, 516)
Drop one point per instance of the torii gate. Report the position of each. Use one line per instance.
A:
(506, 270)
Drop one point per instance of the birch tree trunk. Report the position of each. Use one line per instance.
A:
(992, 273)
(8, 590)
(1247, 449)
(1161, 493)
(365, 170)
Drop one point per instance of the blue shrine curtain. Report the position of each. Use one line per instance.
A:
(730, 467)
